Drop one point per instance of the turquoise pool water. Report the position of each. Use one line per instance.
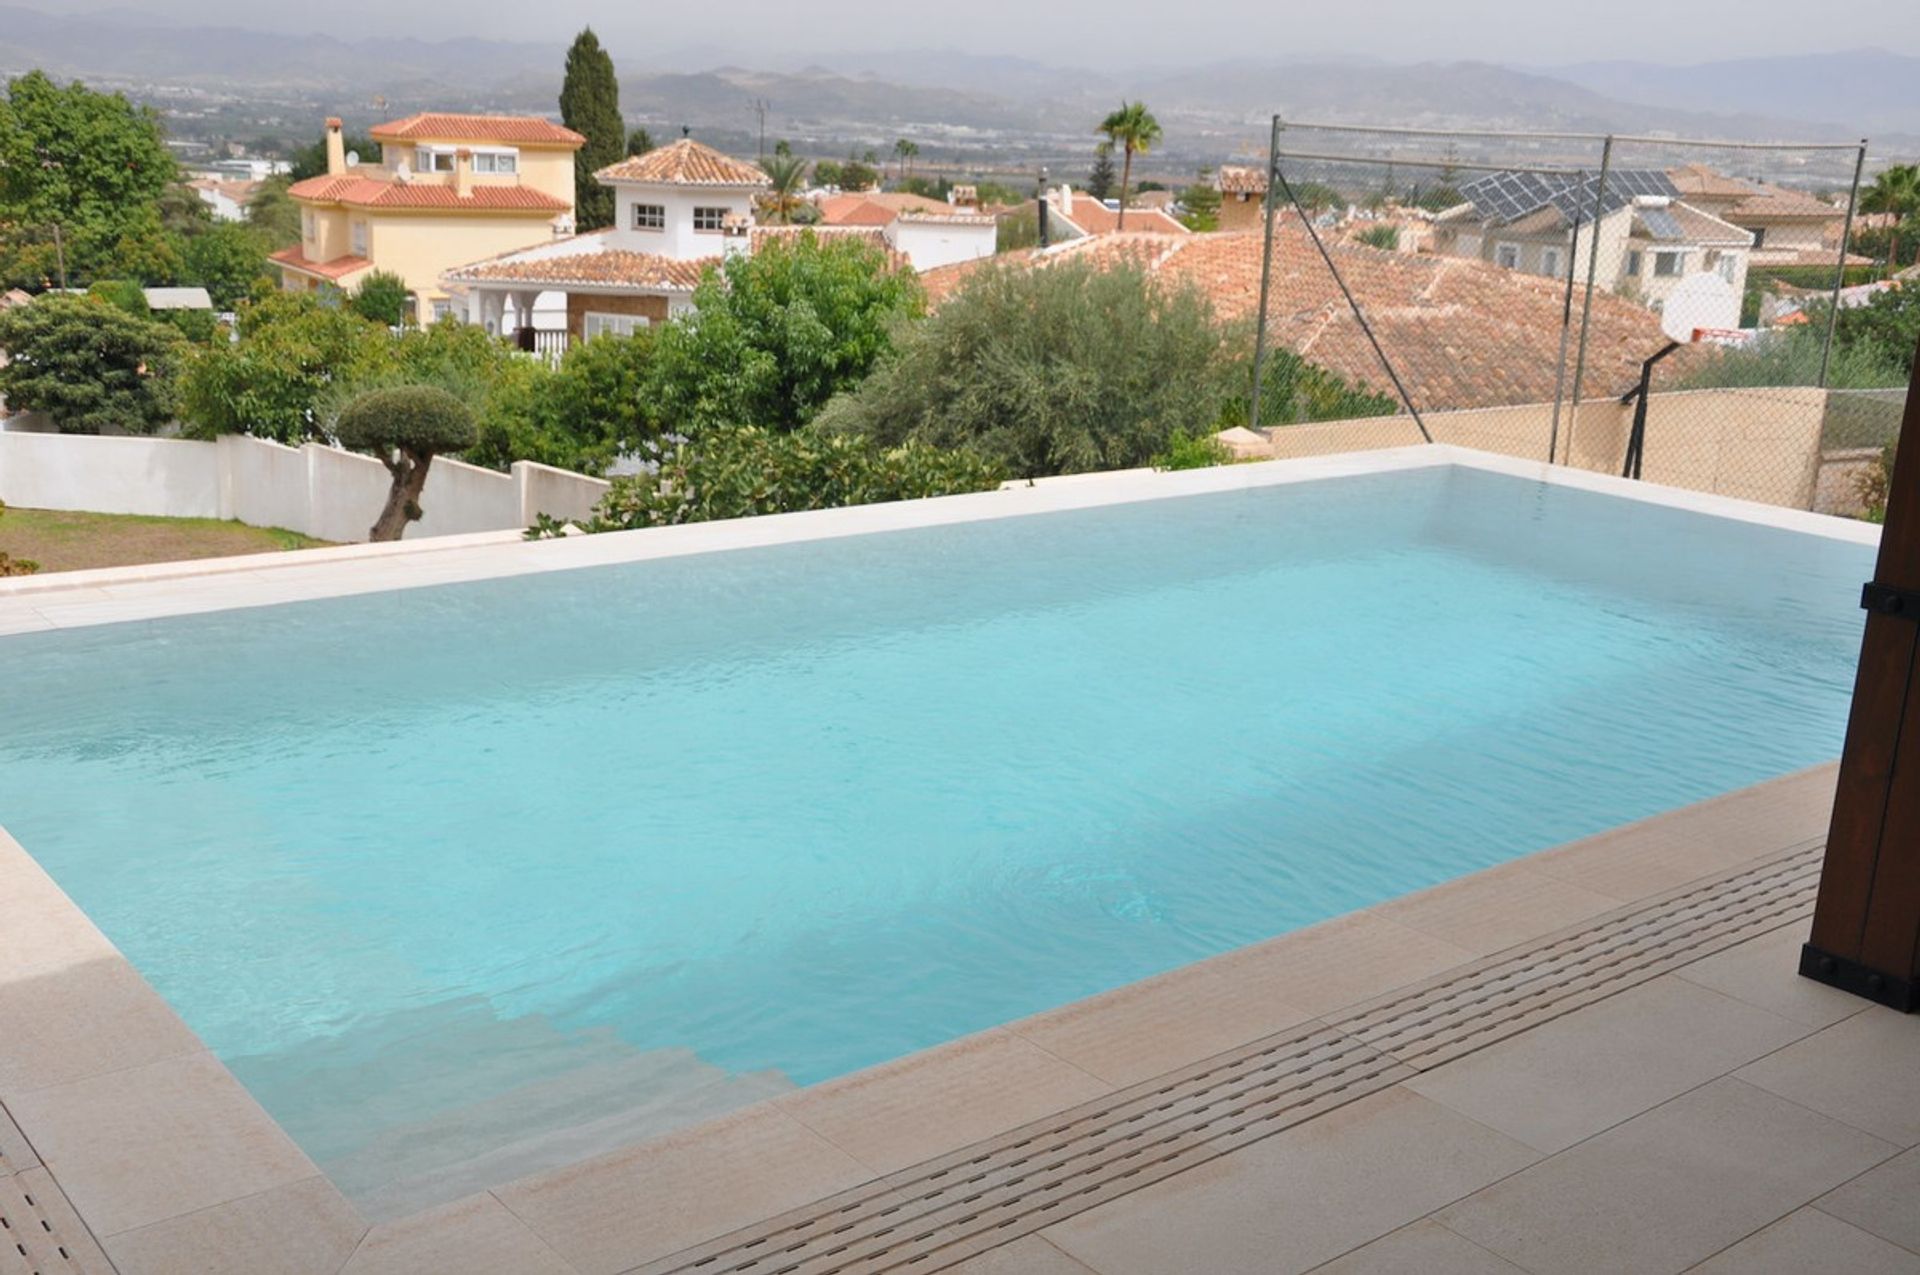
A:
(483, 874)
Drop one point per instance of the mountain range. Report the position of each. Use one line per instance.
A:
(1828, 96)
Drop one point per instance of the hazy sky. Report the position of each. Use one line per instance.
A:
(1112, 33)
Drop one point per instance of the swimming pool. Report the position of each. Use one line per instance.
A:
(487, 873)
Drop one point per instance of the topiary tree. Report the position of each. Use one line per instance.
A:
(405, 426)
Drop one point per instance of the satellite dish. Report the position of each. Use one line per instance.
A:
(353, 159)
(1699, 301)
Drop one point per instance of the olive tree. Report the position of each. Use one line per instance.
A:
(405, 426)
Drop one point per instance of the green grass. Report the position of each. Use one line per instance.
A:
(60, 540)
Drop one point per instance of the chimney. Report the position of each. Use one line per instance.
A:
(1066, 200)
(736, 231)
(336, 148)
(966, 198)
(463, 173)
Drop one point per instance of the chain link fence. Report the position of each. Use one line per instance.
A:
(1655, 307)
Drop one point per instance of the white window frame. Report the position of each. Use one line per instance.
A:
(649, 217)
(1550, 262)
(1506, 256)
(358, 235)
(1728, 266)
(710, 221)
(601, 323)
(1679, 259)
(497, 161)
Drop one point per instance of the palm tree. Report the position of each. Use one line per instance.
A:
(1134, 130)
(787, 173)
(1895, 190)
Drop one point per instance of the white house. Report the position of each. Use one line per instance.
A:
(227, 199)
(678, 211)
(1650, 240)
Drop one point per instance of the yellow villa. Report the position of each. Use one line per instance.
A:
(448, 189)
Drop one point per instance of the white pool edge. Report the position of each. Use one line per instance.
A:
(38, 603)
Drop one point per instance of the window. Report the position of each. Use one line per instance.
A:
(1550, 262)
(1729, 266)
(649, 216)
(709, 218)
(597, 324)
(359, 238)
(1633, 264)
(308, 225)
(429, 159)
(496, 162)
(1507, 255)
(1669, 263)
(1759, 237)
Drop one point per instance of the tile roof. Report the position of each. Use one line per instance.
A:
(1461, 333)
(1096, 218)
(608, 267)
(855, 210)
(1683, 223)
(528, 130)
(1699, 179)
(338, 268)
(372, 192)
(950, 217)
(684, 163)
(1236, 179)
(240, 192)
(1777, 201)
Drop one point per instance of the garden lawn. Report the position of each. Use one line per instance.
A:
(63, 541)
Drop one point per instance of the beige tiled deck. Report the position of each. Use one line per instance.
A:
(1724, 1111)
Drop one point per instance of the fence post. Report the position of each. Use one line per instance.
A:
(1586, 303)
(1266, 274)
(1840, 266)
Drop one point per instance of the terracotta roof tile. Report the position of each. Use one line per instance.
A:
(1461, 333)
(1777, 201)
(684, 163)
(435, 125)
(612, 267)
(370, 192)
(338, 268)
(855, 210)
(1096, 218)
(1235, 179)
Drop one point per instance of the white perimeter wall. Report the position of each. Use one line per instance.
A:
(315, 490)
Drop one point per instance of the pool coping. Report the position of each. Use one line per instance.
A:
(61, 600)
(170, 1165)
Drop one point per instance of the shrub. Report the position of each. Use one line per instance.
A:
(1192, 451)
(1054, 370)
(405, 426)
(89, 365)
(1386, 238)
(1293, 391)
(122, 294)
(293, 352)
(12, 566)
(384, 298)
(739, 473)
(1873, 486)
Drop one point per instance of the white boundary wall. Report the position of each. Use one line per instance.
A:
(315, 490)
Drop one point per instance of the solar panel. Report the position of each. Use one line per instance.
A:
(1660, 223)
(1508, 196)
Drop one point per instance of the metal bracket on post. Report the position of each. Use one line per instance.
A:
(1851, 976)
(1884, 599)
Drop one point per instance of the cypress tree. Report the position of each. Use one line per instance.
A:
(590, 106)
(1100, 180)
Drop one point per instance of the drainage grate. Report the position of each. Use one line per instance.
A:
(40, 1234)
(950, 1208)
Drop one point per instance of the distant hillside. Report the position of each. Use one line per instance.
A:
(1867, 90)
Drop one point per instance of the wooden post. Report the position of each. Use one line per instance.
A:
(1866, 923)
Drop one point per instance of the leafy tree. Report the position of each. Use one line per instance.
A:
(741, 473)
(198, 327)
(1060, 370)
(1293, 391)
(639, 141)
(580, 415)
(1100, 177)
(273, 215)
(311, 160)
(183, 212)
(384, 298)
(828, 172)
(590, 106)
(405, 426)
(782, 198)
(783, 147)
(271, 382)
(93, 165)
(88, 364)
(1895, 190)
(1134, 130)
(228, 260)
(122, 294)
(858, 174)
(1201, 205)
(775, 334)
(1889, 323)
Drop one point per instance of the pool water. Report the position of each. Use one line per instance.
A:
(475, 878)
